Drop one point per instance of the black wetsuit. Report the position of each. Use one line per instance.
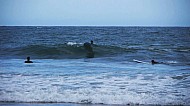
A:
(28, 62)
(90, 52)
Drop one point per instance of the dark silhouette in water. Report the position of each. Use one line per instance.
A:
(155, 62)
(152, 62)
(28, 60)
(89, 49)
(91, 42)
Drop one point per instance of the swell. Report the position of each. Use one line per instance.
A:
(60, 51)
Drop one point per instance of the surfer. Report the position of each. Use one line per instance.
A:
(89, 49)
(155, 62)
(91, 42)
(28, 60)
(152, 62)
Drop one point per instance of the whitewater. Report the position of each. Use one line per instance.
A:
(61, 73)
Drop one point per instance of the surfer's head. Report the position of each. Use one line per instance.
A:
(28, 58)
(91, 41)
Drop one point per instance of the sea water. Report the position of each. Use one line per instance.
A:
(61, 73)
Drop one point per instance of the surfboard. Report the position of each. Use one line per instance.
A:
(138, 61)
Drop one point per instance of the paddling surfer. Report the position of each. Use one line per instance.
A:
(155, 62)
(152, 62)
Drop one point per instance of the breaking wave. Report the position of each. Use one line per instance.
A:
(67, 50)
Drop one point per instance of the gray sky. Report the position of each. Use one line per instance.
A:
(95, 12)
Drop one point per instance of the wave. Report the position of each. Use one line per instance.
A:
(89, 101)
(86, 102)
(67, 50)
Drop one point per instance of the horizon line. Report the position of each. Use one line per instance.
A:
(101, 25)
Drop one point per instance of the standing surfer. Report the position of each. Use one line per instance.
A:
(89, 49)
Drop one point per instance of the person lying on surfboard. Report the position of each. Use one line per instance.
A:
(152, 62)
(155, 62)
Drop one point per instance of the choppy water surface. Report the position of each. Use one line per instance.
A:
(61, 73)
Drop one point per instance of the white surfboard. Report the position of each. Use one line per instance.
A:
(138, 61)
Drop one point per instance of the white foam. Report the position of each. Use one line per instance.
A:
(172, 62)
(111, 90)
(68, 81)
(73, 43)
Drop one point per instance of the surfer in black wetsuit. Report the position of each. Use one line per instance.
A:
(91, 42)
(155, 62)
(28, 60)
(89, 49)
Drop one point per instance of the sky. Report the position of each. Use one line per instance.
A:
(95, 12)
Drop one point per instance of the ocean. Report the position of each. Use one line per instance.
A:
(121, 72)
